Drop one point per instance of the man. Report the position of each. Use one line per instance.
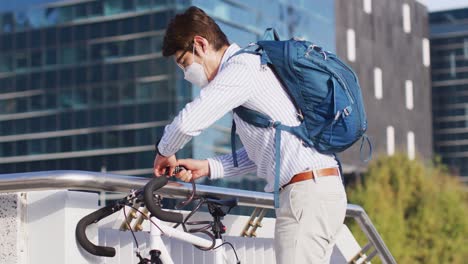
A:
(312, 198)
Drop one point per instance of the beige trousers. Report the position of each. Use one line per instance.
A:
(310, 215)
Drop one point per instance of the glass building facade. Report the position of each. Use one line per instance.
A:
(449, 55)
(83, 84)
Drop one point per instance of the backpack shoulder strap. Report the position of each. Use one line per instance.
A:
(249, 116)
(248, 49)
(253, 117)
(271, 34)
(256, 49)
(261, 120)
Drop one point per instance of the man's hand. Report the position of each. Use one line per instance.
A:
(195, 169)
(161, 164)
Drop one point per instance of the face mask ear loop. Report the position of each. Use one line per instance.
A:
(203, 59)
(193, 51)
(193, 55)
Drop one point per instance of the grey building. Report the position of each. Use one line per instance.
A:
(449, 51)
(386, 43)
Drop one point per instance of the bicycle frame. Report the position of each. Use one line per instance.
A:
(157, 243)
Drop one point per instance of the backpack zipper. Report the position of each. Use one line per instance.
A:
(355, 78)
(285, 87)
(345, 87)
(334, 74)
(344, 66)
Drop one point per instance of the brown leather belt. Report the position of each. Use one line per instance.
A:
(308, 175)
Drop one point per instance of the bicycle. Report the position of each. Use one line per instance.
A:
(158, 252)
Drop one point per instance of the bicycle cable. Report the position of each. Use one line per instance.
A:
(197, 207)
(233, 249)
(190, 198)
(147, 218)
(137, 251)
(133, 233)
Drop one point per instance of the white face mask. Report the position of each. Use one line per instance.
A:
(195, 73)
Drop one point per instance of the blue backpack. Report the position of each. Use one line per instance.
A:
(325, 91)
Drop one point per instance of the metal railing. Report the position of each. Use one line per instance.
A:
(93, 181)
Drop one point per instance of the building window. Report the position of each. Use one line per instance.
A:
(409, 94)
(453, 65)
(411, 146)
(406, 18)
(378, 83)
(390, 140)
(6, 63)
(426, 52)
(21, 61)
(351, 42)
(465, 48)
(51, 56)
(367, 6)
(7, 23)
(143, 4)
(113, 7)
(36, 58)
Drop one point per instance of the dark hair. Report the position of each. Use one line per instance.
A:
(184, 27)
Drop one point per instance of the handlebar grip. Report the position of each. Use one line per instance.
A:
(80, 232)
(154, 208)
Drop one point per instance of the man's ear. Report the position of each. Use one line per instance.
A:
(201, 44)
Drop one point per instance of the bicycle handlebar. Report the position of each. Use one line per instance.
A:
(155, 208)
(80, 231)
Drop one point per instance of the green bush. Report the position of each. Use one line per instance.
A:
(420, 210)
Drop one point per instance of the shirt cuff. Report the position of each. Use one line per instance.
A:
(216, 168)
(164, 149)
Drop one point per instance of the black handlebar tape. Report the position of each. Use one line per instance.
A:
(83, 240)
(155, 210)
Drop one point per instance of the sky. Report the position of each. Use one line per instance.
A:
(436, 5)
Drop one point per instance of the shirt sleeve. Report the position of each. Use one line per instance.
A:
(230, 88)
(223, 166)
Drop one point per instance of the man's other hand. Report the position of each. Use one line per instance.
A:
(162, 163)
(195, 169)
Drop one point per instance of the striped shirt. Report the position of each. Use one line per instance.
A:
(242, 81)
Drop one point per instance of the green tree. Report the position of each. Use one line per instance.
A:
(420, 210)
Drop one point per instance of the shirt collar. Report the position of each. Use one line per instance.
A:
(233, 48)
